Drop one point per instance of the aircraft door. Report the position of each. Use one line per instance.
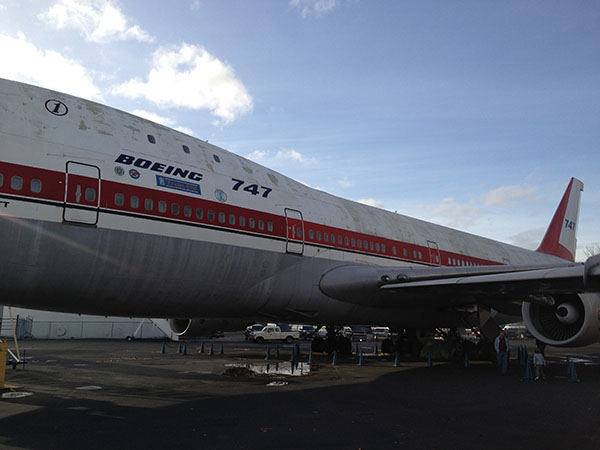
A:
(434, 253)
(82, 193)
(294, 224)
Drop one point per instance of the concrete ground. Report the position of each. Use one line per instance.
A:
(118, 394)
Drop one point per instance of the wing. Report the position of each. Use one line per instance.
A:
(450, 286)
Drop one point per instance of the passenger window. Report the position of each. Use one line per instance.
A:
(35, 186)
(231, 219)
(371, 246)
(347, 241)
(318, 236)
(216, 158)
(148, 204)
(414, 254)
(199, 213)
(251, 223)
(134, 202)
(377, 247)
(394, 251)
(420, 255)
(366, 245)
(119, 199)
(340, 240)
(353, 242)
(90, 194)
(242, 221)
(151, 139)
(383, 248)
(162, 207)
(299, 232)
(16, 183)
(175, 209)
(311, 235)
(187, 211)
(326, 237)
(359, 244)
(1, 180)
(221, 217)
(211, 215)
(270, 227)
(186, 149)
(404, 252)
(261, 225)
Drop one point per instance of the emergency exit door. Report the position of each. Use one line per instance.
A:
(294, 225)
(82, 193)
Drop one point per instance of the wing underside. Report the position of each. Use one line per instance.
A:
(449, 286)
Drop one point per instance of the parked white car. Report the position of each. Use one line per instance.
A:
(274, 333)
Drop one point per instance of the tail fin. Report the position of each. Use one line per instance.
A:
(560, 238)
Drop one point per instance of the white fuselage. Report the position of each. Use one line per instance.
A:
(103, 212)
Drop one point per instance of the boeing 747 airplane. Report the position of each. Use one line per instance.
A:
(103, 212)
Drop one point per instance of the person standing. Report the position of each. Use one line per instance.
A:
(502, 347)
(539, 363)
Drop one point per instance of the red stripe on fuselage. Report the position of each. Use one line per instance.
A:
(53, 189)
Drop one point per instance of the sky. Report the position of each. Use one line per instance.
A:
(473, 114)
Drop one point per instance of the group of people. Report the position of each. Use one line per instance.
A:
(502, 347)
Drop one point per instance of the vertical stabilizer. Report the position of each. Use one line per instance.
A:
(560, 238)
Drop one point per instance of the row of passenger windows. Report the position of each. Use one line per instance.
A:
(35, 186)
(175, 209)
(16, 184)
(460, 262)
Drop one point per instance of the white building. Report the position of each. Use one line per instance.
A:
(51, 325)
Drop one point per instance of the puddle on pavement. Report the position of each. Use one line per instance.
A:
(88, 388)
(277, 368)
(16, 394)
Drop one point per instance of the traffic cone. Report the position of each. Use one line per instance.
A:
(573, 373)
(528, 371)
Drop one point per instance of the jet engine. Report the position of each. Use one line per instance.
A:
(573, 320)
(205, 327)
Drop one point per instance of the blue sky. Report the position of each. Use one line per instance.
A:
(472, 114)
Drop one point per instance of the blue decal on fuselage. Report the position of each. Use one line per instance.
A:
(172, 183)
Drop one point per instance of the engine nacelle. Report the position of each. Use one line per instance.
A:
(205, 327)
(573, 321)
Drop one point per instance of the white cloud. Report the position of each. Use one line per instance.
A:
(166, 121)
(371, 202)
(316, 8)
(282, 156)
(507, 195)
(451, 213)
(345, 183)
(190, 77)
(99, 21)
(258, 155)
(23, 61)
